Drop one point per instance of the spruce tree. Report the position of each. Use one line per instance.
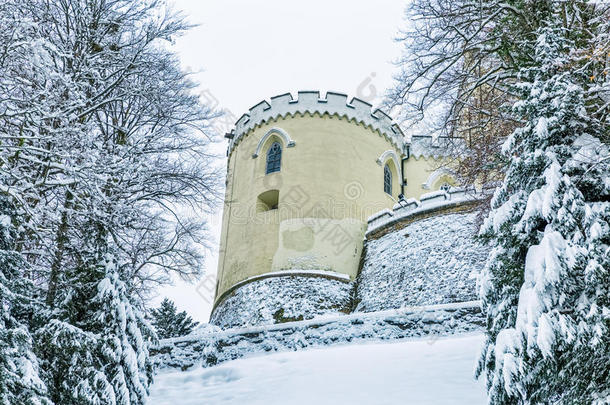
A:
(20, 382)
(96, 350)
(546, 286)
(168, 322)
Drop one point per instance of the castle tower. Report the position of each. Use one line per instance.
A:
(303, 177)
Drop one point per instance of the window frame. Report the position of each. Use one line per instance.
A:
(387, 179)
(275, 158)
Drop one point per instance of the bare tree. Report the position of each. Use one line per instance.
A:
(461, 60)
(104, 127)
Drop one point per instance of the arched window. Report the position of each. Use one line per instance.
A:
(274, 158)
(387, 180)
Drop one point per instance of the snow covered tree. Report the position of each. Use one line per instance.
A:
(20, 382)
(465, 64)
(96, 351)
(460, 62)
(95, 111)
(546, 286)
(168, 322)
(101, 142)
(140, 144)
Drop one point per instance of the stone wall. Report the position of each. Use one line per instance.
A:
(284, 297)
(434, 260)
(422, 252)
(214, 347)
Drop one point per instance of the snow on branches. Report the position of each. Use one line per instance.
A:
(546, 284)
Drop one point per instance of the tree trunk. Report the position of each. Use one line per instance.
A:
(60, 241)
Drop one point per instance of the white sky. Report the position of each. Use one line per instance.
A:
(249, 50)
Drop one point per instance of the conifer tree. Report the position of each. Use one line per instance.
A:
(20, 382)
(102, 140)
(546, 287)
(168, 322)
(97, 351)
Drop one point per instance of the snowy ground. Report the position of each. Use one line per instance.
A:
(408, 372)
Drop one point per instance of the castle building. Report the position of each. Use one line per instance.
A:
(304, 176)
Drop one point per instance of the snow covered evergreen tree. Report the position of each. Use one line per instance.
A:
(546, 287)
(20, 383)
(168, 322)
(96, 350)
(102, 140)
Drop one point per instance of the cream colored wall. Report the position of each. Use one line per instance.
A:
(320, 244)
(329, 184)
(417, 172)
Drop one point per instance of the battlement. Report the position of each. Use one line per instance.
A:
(311, 102)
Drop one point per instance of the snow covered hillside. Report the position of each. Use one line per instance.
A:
(424, 371)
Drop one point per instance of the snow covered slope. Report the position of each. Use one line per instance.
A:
(409, 372)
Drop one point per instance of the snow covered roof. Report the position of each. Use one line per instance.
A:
(434, 147)
(312, 102)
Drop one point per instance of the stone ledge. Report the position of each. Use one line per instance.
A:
(430, 204)
(412, 322)
(397, 224)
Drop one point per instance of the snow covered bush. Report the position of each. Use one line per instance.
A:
(546, 286)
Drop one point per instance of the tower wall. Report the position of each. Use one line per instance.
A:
(429, 164)
(330, 182)
(418, 254)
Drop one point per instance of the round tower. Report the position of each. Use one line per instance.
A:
(303, 177)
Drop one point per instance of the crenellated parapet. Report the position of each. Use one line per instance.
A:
(311, 102)
(429, 204)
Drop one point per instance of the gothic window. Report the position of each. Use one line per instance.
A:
(387, 180)
(274, 158)
(445, 187)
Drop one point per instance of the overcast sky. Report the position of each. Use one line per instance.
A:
(249, 50)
